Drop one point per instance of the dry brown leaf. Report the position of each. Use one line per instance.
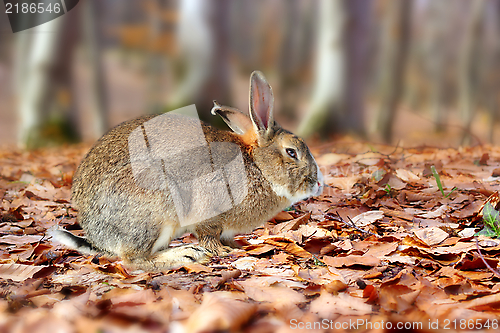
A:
(397, 297)
(283, 216)
(467, 232)
(308, 230)
(133, 297)
(319, 276)
(289, 247)
(381, 249)
(45, 300)
(460, 247)
(397, 213)
(245, 264)
(484, 303)
(367, 218)
(431, 236)
(17, 272)
(274, 294)
(20, 240)
(468, 211)
(219, 314)
(493, 199)
(331, 158)
(196, 268)
(278, 279)
(329, 306)
(407, 175)
(396, 183)
(397, 258)
(351, 261)
(292, 224)
(258, 249)
(345, 244)
(438, 212)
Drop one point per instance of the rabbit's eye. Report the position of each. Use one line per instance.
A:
(292, 153)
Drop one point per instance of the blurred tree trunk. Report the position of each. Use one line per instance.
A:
(196, 47)
(203, 42)
(34, 83)
(217, 83)
(295, 53)
(435, 42)
(154, 57)
(468, 68)
(93, 41)
(493, 75)
(338, 95)
(47, 108)
(393, 50)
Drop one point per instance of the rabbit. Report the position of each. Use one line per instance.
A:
(131, 213)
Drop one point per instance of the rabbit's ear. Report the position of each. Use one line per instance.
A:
(261, 103)
(234, 118)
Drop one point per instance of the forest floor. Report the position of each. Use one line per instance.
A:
(382, 248)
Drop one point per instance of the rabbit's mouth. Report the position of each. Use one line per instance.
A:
(319, 184)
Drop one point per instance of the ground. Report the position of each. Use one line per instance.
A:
(382, 246)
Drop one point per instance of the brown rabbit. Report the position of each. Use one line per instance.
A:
(154, 178)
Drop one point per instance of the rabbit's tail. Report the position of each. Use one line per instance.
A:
(77, 243)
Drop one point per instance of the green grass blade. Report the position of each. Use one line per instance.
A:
(438, 180)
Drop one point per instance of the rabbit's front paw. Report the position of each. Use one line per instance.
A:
(214, 245)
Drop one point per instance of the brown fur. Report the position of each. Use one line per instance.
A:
(249, 138)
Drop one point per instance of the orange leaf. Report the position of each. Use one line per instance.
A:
(291, 248)
(219, 314)
(351, 261)
(17, 272)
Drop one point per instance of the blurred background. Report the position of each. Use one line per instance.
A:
(409, 71)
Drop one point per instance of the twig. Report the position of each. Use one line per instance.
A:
(484, 260)
(352, 225)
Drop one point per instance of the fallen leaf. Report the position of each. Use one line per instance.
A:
(289, 247)
(283, 216)
(20, 240)
(329, 306)
(292, 224)
(275, 294)
(219, 314)
(196, 268)
(351, 260)
(45, 300)
(431, 236)
(258, 249)
(18, 272)
(245, 264)
(407, 175)
(367, 218)
(132, 297)
(435, 213)
(467, 232)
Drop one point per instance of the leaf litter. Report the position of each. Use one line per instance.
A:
(392, 239)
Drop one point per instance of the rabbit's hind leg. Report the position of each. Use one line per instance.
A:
(173, 258)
